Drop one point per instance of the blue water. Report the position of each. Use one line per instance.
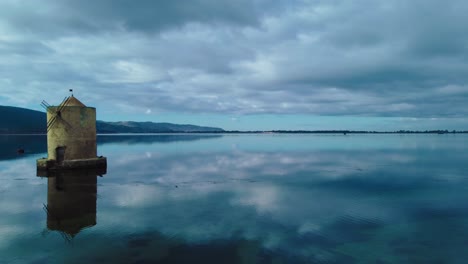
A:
(241, 199)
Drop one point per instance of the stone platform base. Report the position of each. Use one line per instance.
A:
(48, 165)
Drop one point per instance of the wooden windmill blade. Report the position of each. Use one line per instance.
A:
(63, 104)
(51, 121)
(58, 114)
(45, 105)
(54, 120)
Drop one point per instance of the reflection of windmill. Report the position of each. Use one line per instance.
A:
(71, 201)
(67, 237)
(55, 112)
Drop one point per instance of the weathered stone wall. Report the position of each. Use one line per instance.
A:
(75, 130)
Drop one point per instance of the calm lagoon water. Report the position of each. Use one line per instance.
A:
(241, 199)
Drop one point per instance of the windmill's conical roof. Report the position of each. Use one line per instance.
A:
(72, 101)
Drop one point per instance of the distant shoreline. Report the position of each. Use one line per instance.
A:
(345, 132)
(22, 121)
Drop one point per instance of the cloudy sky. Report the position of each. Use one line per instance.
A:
(244, 64)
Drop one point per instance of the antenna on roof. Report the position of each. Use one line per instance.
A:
(71, 91)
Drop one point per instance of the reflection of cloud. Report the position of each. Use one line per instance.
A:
(305, 203)
(308, 227)
(267, 183)
(8, 232)
(263, 198)
(267, 194)
(133, 158)
(196, 168)
(136, 195)
(21, 198)
(20, 168)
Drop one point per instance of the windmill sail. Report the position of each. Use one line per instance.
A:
(64, 101)
(57, 115)
(45, 105)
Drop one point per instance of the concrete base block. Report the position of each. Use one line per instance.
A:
(45, 166)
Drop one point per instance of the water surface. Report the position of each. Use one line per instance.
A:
(241, 199)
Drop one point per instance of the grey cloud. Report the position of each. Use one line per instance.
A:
(23, 48)
(368, 58)
(75, 17)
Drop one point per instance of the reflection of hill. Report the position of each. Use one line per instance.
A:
(166, 138)
(32, 144)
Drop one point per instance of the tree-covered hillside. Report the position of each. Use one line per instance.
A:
(21, 120)
(15, 120)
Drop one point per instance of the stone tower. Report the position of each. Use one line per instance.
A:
(71, 136)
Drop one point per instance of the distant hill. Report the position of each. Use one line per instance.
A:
(149, 127)
(21, 120)
(15, 120)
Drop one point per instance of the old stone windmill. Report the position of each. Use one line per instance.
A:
(71, 137)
